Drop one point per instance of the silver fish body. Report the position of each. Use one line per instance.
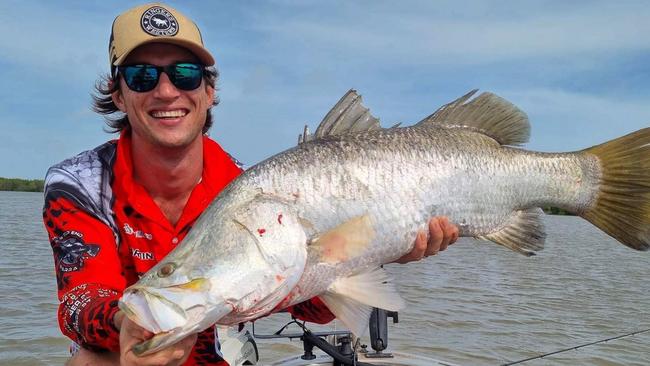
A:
(320, 218)
(402, 177)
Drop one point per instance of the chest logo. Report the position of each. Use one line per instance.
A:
(145, 256)
(128, 230)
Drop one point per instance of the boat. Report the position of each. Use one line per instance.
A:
(330, 347)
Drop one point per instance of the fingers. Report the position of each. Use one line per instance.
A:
(186, 348)
(173, 355)
(132, 334)
(134, 331)
(419, 248)
(436, 236)
(442, 233)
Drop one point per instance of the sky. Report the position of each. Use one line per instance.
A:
(579, 69)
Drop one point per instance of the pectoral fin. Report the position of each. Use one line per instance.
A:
(345, 241)
(351, 299)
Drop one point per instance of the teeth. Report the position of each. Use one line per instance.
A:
(168, 114)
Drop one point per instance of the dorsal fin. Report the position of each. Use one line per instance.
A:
(348, 115)
(488, 114)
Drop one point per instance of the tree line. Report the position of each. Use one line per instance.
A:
(23, 185)
(36, 185)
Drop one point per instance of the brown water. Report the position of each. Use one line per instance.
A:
(475, 304)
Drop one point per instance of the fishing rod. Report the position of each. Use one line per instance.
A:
(577, 347)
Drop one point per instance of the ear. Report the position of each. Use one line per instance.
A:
(210, 93)
(118, 97)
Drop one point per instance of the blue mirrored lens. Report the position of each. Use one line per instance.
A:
(185, 76)
(143, 78)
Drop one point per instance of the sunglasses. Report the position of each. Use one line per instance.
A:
(143, 77)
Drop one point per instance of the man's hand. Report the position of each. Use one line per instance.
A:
(441, 234)
(132, 334)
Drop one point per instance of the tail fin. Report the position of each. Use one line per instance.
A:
(622, 207)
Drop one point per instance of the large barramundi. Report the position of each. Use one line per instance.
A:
(320, 218)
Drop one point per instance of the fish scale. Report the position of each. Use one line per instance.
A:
(377, 172)
(321, 218)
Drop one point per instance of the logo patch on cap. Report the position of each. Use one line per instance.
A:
(158, 21)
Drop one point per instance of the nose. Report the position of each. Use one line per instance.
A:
(165, 89)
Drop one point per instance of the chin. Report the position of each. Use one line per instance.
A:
(176, 141)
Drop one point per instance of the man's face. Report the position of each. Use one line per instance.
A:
(165, 117)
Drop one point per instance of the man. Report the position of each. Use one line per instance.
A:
(113, 212)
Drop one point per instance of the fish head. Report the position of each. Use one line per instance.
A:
(171, 303)
(234, 266)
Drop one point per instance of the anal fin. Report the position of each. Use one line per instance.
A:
(352, 298)
(524, 232)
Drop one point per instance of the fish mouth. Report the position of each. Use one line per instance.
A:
(196, 323)
(152, 311)
(163, 309)
(170, 313)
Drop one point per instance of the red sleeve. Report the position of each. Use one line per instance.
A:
(312, 310)
(88, 272)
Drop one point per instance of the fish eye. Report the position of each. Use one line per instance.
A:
(166, 270)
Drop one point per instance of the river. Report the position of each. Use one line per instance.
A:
(475, 304)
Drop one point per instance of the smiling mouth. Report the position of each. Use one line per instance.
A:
(177, 113)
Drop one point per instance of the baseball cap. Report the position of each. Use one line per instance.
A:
(154, 22)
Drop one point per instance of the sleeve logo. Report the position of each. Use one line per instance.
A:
(71, 251)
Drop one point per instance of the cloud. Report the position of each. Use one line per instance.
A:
(564, 121)
(579, 70)
(471, 33)
(67, 42)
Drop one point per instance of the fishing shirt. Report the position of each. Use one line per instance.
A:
(106, 231)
